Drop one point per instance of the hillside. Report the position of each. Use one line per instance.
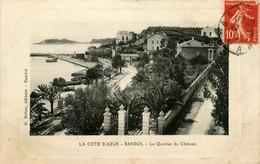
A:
(57, 41)
(180, 34)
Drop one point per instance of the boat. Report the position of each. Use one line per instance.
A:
(54, 59)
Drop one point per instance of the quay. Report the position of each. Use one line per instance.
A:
(73, 61)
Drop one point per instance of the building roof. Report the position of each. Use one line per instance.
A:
(156, 34)
(215, 31)
(192, 43)
(123, 33)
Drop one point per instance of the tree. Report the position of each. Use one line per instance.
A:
(132, 104)
(84, 114)
(59, 83)
(142, 76)
(118, 62)
(178, 69)
(218, 78)
(161, 66)
(144, 60)
(36, 106)
(48, 92)
(162, 95)
(94, 73)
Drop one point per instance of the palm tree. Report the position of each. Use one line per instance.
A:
(162, 96)
(48, 92)
(132, 104)
(36, 106)
(59, 83)
(141, 77)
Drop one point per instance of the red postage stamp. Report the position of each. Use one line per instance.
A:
(241, 22)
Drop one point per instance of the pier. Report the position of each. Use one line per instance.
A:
(73, 61)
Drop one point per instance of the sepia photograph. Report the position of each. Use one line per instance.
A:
(133, 82)
(155, 80)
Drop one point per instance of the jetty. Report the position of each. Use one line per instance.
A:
(73, 61)
(105, 62)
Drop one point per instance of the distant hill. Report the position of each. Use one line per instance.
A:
(57, 41)
(104, 41)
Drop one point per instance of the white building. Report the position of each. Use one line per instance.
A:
(208, 31)
(154, 42)
(124, 36)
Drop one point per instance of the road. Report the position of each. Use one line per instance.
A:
(130, 72)
(197, 120)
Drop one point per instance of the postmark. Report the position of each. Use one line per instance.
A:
(240, 26)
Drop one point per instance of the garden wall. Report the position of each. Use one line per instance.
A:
(170, 115)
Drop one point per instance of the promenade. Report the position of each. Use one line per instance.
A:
(82, 63)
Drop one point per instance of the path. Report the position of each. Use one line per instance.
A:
(197, 120)
(124, 79)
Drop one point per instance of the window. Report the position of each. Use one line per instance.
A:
(204, 33)
(188, 44)
(122, 37)
(126, 38)
(152, 42)
(157, 42)
(152, 47)
(209, 33)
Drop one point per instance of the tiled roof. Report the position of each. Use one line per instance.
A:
(193, 43)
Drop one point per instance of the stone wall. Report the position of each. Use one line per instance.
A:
(170, 115)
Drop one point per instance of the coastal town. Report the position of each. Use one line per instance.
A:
(162, 81)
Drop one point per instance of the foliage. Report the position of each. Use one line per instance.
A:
(178, 69)
(142, 76)
(101, 52)
(36, 106)
(132, 104)
(48, 92)
(144, 59)
(161, 66)
(199, 60)
(118, 62)
(218, 78)
(84, 115)
(94, 73)
(59, 82)
(162, 95)
(94, 59)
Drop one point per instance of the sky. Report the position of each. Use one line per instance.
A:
(84, 21)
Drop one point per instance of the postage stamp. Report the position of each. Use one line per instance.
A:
(241, 22)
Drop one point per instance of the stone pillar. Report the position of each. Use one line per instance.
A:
(107, 120)
(60, 103)
(121, 120)
(161, 120)
(146, 121)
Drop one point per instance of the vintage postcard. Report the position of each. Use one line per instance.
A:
(130, 81)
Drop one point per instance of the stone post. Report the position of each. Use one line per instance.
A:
(161, 120)
(60, 103)
(107, 120)
(121, 120)
(146, 121)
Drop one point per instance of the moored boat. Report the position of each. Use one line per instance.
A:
(54, 59)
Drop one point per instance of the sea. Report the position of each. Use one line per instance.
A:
(42, 72)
